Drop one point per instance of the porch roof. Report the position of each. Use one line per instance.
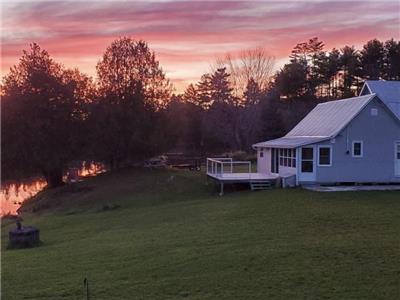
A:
(291, 142)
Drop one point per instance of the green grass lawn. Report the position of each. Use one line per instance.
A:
(172, 237)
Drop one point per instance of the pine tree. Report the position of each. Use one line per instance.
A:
(252, 94)
(333, 68)
(204, 91)
(221, 91)
(350, 65)
(191, 94)
(392, 60)
(372, 58)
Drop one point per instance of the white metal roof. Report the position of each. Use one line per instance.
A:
(387, 91)
(329, 118)
(324, 122)
(291, 142)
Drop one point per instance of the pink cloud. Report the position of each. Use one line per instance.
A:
(190, 35)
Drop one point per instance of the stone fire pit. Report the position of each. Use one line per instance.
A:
(23, 236)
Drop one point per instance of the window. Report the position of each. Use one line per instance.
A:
(398, 151)
(287, 157)
(325, 156)
(307, 160)
(261, 153)
(357, 149)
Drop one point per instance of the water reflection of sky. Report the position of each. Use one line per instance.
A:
(13, 193)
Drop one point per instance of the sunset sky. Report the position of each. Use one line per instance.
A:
(189, 35)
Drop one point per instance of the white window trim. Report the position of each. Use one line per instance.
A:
(362, 149)
(330, 156)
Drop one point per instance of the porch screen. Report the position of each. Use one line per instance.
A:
(287, 158)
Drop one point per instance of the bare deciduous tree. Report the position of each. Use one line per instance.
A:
(252, 64)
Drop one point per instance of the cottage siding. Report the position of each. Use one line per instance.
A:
(387, 91)
(286, 171)
(369, 118)
(379, 134)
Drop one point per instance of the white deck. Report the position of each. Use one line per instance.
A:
(225, 170)
(242, 177)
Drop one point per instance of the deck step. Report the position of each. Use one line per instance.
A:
(260, 185)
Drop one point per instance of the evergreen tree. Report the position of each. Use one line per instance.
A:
(350, 65)
(309, 55)
(204, 91)
(320, 74)
(372, 58)
(252, 94)
(191, 94)
(271, 121)
(291, 80)
(392, 60)
(332, 70)
(221, 91)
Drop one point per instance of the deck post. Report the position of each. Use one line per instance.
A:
(221, 193)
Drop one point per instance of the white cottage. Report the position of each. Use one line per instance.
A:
(344, 141)
(355, 140)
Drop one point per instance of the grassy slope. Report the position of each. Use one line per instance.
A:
(173, 238)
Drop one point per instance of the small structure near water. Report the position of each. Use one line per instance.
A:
(174, 160)
(23, 236)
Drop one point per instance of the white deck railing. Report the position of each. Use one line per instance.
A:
(218, 166)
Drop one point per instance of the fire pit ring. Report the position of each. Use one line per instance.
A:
(23, 236)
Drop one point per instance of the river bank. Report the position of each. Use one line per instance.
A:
(14, 193)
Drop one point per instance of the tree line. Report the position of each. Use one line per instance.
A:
(339, 73)
(52, 115)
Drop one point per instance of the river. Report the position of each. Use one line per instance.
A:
(14, 193)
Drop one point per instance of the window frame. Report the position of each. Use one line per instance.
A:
(361, 150)
(287, 157)
(330, 155)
